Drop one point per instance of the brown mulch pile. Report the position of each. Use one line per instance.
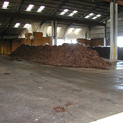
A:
(67, 55)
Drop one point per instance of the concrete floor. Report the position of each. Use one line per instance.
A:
(30, 91)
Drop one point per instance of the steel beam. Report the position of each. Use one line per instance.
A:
(60, 6)
(105, 35)
(47, 18)
(90, 10)
(11, 19)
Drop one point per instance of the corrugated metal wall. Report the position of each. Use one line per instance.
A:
(98, 31)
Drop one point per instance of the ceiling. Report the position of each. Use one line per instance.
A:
(16, 12)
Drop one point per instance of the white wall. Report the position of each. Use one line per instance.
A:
(73, 33)
(60, 31)
(65, 34)
(98, 31)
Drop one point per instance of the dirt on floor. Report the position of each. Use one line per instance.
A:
(67, 55)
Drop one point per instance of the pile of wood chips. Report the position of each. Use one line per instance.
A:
(67, 55)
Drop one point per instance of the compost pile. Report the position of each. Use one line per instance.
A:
(67, 55)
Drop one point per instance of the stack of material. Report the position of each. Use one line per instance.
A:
(39, 39)
(23, 41)
(45, 40)
(97, 42)
(28, 40)
(67, 55)
(84, 41)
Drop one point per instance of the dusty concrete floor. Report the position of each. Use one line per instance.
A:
(29, 92)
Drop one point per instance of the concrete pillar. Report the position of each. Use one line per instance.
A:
(105, 36)
(113, 31)
(54, 32)
(2, 45)
(52, 27)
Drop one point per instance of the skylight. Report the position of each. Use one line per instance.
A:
(30, 7)
(94, 18)
(97, 16)
(74, 12)
(5, 4)
(89, 15)
(26, 25)
(41, 8)
(17, 25)
(64, 12)
(71, 14)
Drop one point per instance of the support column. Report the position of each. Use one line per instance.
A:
(2, 45)
(113, 31)
(54, 32)
(52, 27)
(105, 36)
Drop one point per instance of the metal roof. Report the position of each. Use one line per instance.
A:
(15, 12)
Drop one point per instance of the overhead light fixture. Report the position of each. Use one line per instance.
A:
(26, 25)
(94, 18)
(70, 30)
(75, 11)
(17, 25)
(77, 30)
(71, 14)
(87, 16)
(30, 7)
(62, 13)
(65, 10)
(98, 15)
(91, 14)
(5, 4)
(41, 8)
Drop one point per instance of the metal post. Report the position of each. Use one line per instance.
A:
(116, 30)
(52, 27)
(55, 32)
(2, 45)
(113, 31)
(105, 36)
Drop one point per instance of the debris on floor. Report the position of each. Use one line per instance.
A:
(67, 55)
(6, 73)
(59, 109)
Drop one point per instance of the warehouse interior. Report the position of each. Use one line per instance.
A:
(61, 61)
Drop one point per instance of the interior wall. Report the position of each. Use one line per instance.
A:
(74, 33)
(60, 31)
(64, 33)
(98, 31)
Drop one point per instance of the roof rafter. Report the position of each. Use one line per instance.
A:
(11, 19)
(48, 18)
(59, 7)
(89, 11)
